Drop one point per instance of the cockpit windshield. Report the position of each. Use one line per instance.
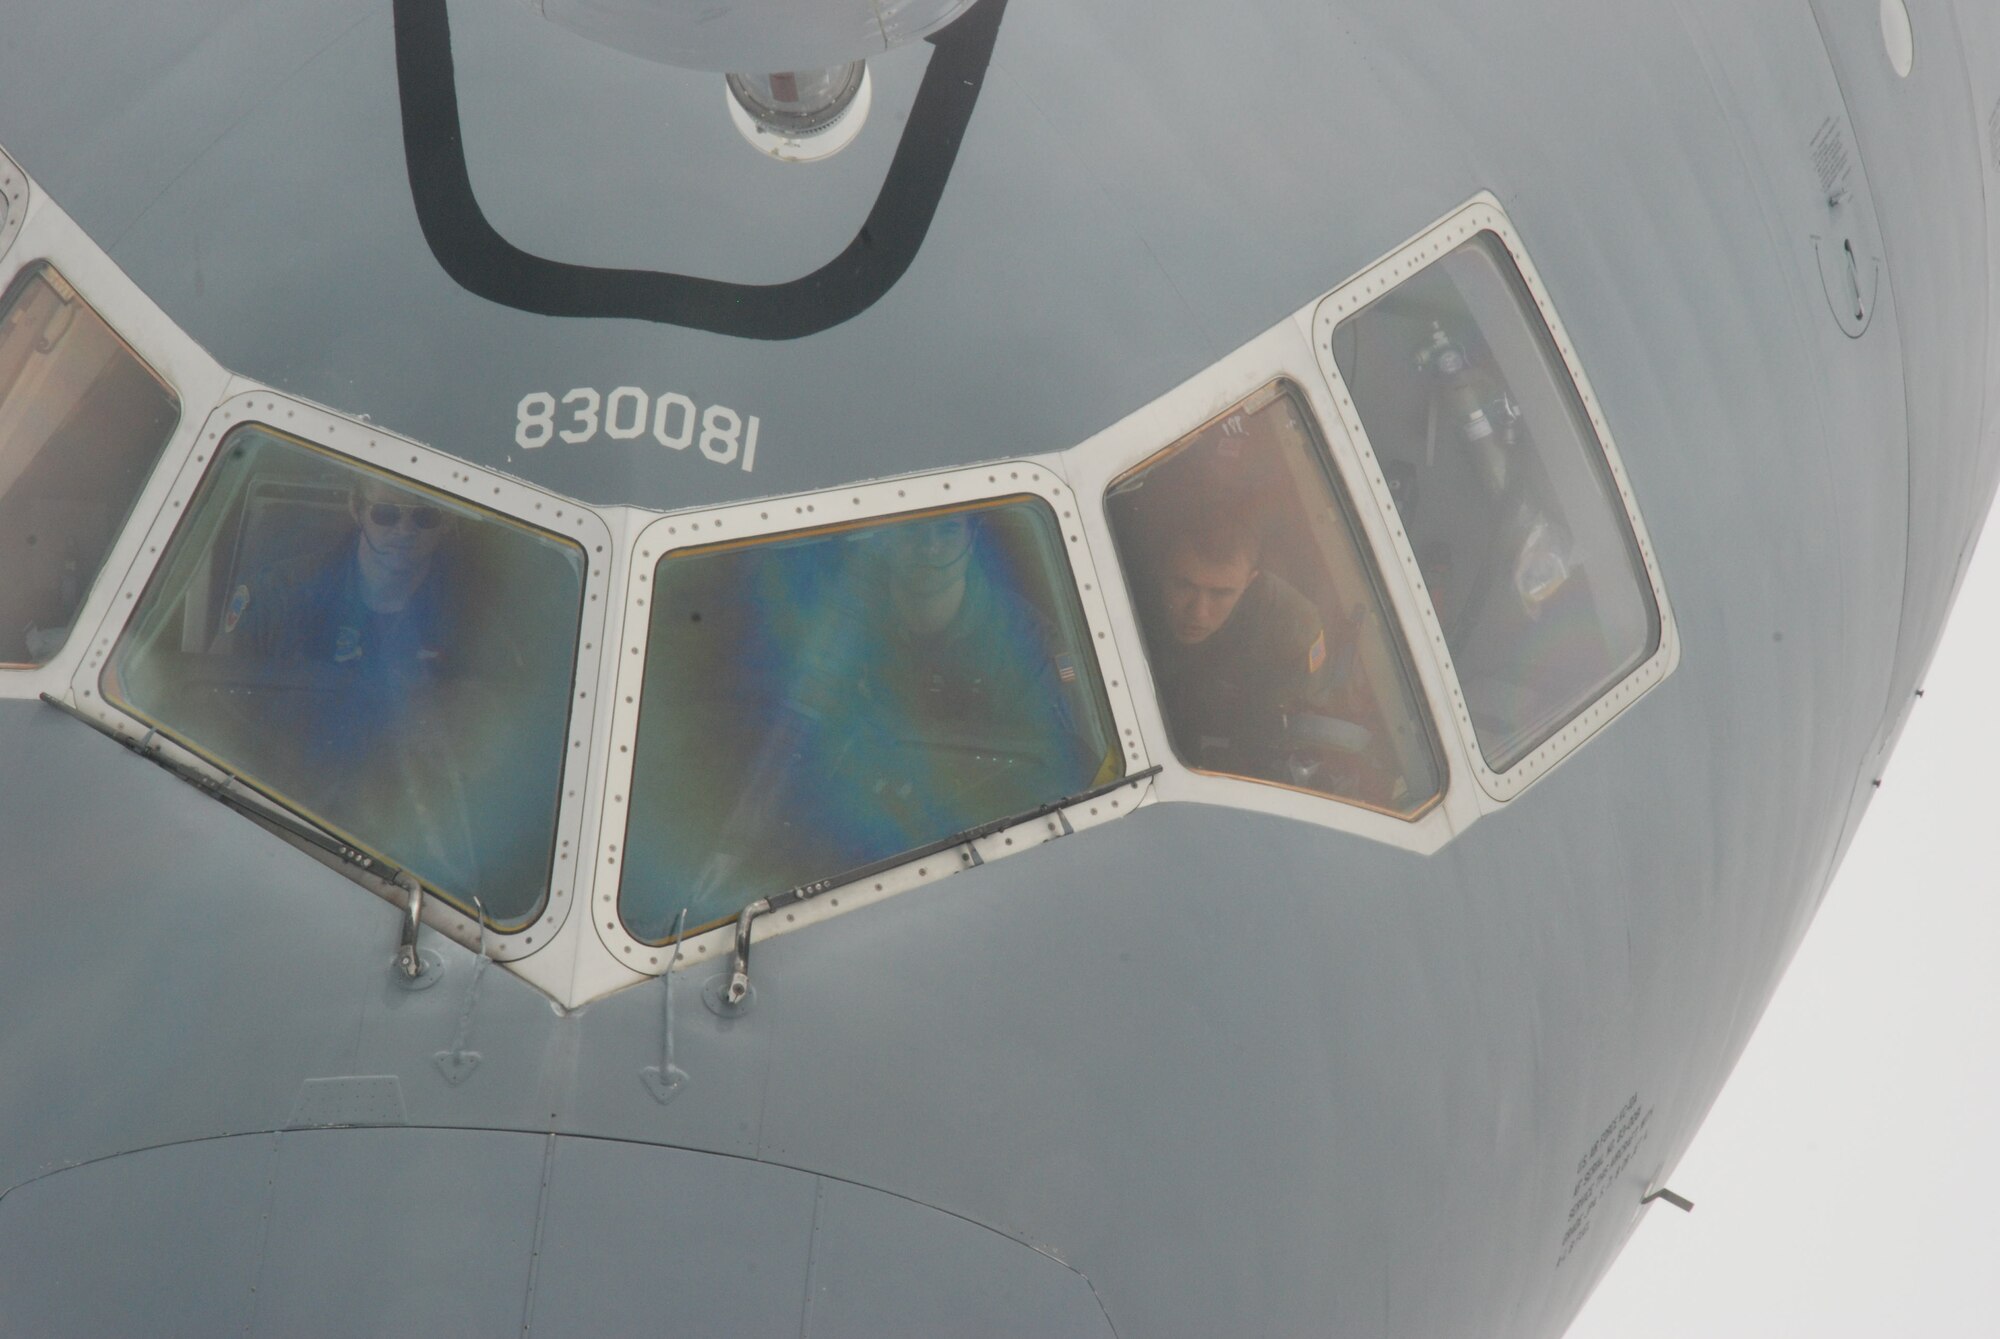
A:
(82, 422)
(820, 700)
(390, 662)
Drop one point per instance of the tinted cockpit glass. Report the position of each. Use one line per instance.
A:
(82, 422)
(1504, 492)
(819, 701)
(1269, 640)
(390, 662)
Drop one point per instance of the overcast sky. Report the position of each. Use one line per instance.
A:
(1847, 1182)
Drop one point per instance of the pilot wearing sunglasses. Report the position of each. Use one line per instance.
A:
(354, 673)
(374, 606)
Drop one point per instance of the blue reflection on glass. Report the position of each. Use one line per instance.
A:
(815, 704)
(392, 665)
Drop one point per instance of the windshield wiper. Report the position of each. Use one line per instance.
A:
(255, 806)
(738, 989)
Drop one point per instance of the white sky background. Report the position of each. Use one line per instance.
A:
(1847, 1182)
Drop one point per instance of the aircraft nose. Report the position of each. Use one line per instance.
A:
(580, 1228)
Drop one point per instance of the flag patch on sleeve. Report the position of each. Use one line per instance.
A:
(1316, 653)
(1065, 669)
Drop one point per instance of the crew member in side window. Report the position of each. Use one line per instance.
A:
(1241, 656)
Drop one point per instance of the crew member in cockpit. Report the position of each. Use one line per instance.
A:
(347, 651)
(1236, 650)
(951, 702)
(373, 606)
(922, 696)
(954, 648)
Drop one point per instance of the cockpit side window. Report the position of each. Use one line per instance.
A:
(1503, 487)
(82, 423)
(818, 701)
(1270, 643)
(390, 662)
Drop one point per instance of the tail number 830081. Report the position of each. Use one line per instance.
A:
(629, 414)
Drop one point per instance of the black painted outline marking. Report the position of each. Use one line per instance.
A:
(485, 263)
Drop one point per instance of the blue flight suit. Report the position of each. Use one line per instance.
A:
(357, 703)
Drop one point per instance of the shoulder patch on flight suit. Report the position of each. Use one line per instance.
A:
(346, 645)
(239, 600)
(1316, 653)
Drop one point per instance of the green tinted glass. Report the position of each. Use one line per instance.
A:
(817, 702)
(392, 663)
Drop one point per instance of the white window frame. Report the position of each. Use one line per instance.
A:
(14, 200)
(1484, 214)
(47, 235)
(367, 445)
(771, 518)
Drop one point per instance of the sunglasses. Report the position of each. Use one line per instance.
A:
(390, 514)
(953, 532)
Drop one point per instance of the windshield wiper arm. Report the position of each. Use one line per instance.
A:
(255, 806)
(738, 988)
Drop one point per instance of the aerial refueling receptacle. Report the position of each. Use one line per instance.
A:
(815, 102)
(801, 116)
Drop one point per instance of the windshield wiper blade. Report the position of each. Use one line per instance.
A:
(963, 837)
(248, 802)
(738, 987)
